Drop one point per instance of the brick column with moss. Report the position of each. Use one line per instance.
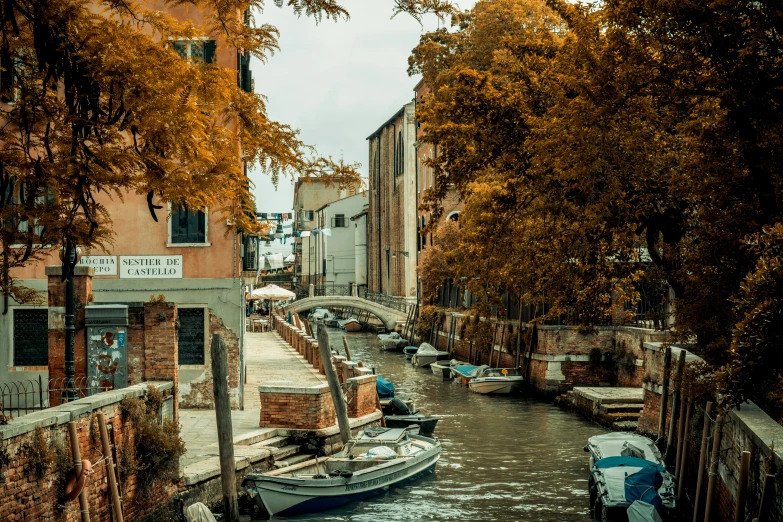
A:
(161, 350)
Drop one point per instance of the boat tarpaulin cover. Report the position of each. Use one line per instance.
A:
(611, 462)
(643, 485)
(385, 388)
(381, 452)
(198, 512)
(643, 512)
(427, 349)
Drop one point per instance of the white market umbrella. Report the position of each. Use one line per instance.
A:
(273, 293)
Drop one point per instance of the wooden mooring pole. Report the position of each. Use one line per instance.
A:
(742, 487)
(676, 407)
(667, 367)
(684, 457)
(228, 478)
(714, 457)
(705, 433)
(334, 386)
(84, 506)
(347, 350)
(107, 454)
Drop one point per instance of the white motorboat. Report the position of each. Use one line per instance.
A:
(378, 459)
(428, 354)
(392, 342)
(495, 381)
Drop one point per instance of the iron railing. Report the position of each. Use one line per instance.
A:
(389, 301)
(19, 398)
(332, 290)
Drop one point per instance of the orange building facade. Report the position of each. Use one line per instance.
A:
(191, 259)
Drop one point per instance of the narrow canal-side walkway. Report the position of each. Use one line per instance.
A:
(269, 361)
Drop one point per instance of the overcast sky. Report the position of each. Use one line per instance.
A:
(335, 82)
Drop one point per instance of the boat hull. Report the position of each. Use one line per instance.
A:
(286, 496)
(353, 326)
(426, 424)
(495, 386)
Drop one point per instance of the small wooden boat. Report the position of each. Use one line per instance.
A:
(495, 381)
(351, 325)
(370, 464)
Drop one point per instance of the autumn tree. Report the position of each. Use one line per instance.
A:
(597, 145)
(99, 100)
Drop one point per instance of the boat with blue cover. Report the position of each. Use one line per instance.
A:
(378, 459)
(625, 468)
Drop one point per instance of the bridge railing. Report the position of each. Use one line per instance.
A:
(332, 290)
(389, 301)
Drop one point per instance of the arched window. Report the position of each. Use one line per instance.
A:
(453, 216)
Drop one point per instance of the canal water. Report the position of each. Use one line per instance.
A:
(503, 458)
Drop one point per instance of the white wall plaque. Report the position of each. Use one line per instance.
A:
(103, 265)
(151, 267)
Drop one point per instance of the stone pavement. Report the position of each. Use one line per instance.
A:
(269, 360)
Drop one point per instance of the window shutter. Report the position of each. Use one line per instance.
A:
(210, 46)
(201, 231)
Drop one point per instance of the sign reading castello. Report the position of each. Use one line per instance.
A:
(151, 267)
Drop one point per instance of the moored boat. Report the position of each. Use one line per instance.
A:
(410, 351)
(425, 423)
(463, 374)
(428, 354)
(443, 368)
(392, 341)
(351, 325)
(495, 381)
(370, 464)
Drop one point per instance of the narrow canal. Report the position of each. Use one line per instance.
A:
(504, 458)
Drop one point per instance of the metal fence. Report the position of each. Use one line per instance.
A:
(332, 290)
(19, 398)
(389, 301)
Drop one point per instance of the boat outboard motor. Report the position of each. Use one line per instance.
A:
(398, 407)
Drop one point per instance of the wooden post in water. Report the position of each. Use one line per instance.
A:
(681, 434)
(714, 456)
(667, 367)
(676, 406)
(113, 490)
(228, 478)
(684, 457)
(347, 350)
(705, 433)
(742, 487)
(766, 499)
(334, 386)
(84, 505)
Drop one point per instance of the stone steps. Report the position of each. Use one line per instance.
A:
(295, 459)
(272, 442)
(620, 407)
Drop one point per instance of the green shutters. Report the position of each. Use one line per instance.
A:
(188, 227)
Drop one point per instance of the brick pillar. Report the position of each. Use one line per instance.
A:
(82, 292)
(161, 351)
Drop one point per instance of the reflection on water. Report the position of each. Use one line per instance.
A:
(503, 459)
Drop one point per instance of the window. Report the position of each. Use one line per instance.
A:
(196, 51)
(244, 76)
(339, 221)
(190, 336)
(31, 336)
(25, 196)
(188, 227)
(309, 215)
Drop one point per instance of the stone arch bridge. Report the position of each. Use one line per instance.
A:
(389, 315)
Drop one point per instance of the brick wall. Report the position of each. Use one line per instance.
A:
(296, 408)
(362, 394)
(26, 498)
